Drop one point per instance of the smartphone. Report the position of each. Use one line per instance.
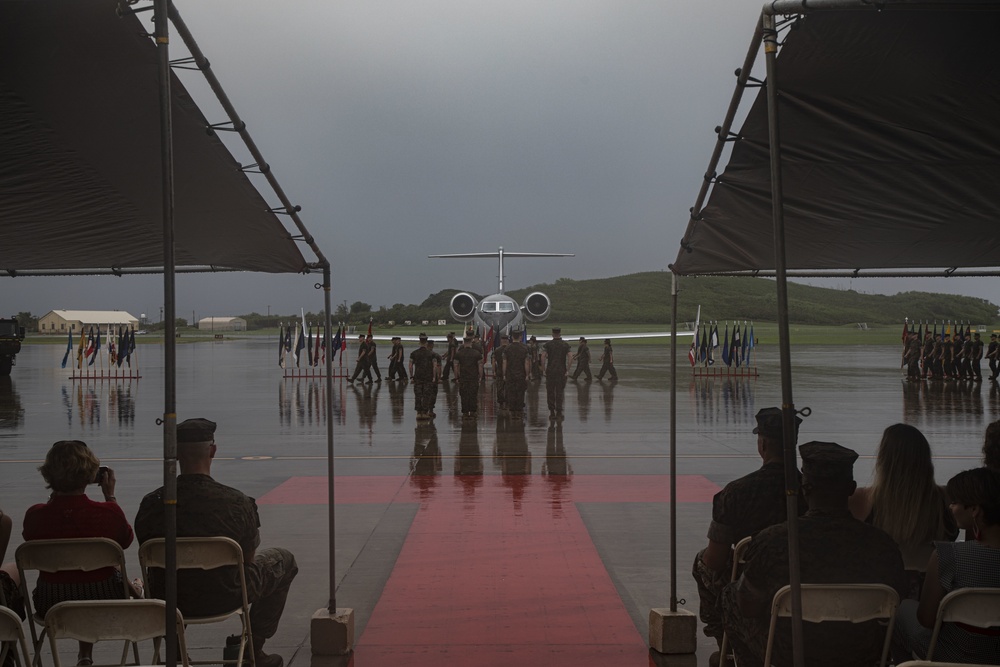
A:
(102, 472)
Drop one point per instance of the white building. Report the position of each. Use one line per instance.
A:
(72, 321)
(222, 324)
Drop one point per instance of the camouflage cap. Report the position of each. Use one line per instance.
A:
(195, 430)
(769, 423)
(828, 461)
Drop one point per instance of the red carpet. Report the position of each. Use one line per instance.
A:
(498, 570)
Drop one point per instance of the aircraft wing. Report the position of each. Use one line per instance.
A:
(437, 338)
(572, 336)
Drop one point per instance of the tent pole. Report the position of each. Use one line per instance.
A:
(770, 35)
(673, 443)
(327, 283)
(162, 27)
(743, 75)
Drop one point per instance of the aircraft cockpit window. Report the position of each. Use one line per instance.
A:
(506, 306)
(497, 307)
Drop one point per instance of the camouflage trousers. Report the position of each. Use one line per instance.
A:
(423, 395)
(268, 579)
(515, 394)
(468, 391)
(710, 584)
(746, 634)
(432, 397)
(501, 388)
(555, 388)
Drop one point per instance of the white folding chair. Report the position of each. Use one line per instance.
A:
(205, 553)
(75, 554)
(855, 603)
(12, 636)
(978, 607)
(739, 553)
(97, 620)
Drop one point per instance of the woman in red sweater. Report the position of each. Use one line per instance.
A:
(69, 468)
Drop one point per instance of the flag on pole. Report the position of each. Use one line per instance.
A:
(281, 345)
(97, 347)
(735, 355)
(129, 346)
(300, 343)
(90, 342)
(746, 339)
(309, 348)
(691, 354)
(336, 341)
(906, 331)
(703, 348)
(751, 341)
(112, 348)
(69, 348)
(713, 344)
(370, 325)
(319, 337)
(80, 350)
(727, 358)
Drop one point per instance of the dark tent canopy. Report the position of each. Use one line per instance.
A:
(80, 154)
(890, 148)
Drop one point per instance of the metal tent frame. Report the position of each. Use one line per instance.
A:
(165, 13)
(775, 17)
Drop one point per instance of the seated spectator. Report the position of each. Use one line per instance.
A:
(904, 500)
(9, 579)
(744, 507)
(206, 508)
(69, 467)
(834, 548)
(975, 503)
(991, 446)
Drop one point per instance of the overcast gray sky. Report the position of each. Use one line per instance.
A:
(405, 129)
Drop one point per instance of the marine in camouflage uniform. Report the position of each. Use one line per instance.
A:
(991, 354)
(469, 371)
(433, 393)
(976, 358)
(535, 357)
(834, 548)
(363, 366)
(927, 355)
(422, 375)
(743, 508)
(449, 356)
(372, 357)
(912, 357)
(609, 361)
(582, 357)
(555, 354)
(499, 384)
(206, 508)
(516, 368)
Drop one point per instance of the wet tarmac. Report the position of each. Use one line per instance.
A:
(474, 543)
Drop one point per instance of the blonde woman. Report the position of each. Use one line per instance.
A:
(904, 500)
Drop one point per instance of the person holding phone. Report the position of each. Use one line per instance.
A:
(70, 466)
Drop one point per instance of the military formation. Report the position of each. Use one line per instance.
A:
(944, 357)
(513, 363)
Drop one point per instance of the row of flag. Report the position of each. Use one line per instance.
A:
(962, 330)
(298, 339)
(734, 352)
(120, 344)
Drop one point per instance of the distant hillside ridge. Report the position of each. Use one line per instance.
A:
(644, 298)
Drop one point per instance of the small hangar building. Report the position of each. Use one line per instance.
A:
(72, 321)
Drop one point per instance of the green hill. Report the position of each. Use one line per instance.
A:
(645, 298)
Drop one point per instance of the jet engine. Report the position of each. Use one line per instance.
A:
(536, 307)
(463, 306)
